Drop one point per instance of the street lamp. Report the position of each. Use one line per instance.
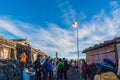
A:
(75, 25)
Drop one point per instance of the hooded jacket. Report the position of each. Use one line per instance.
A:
(106, 76)
(50, 67)
(23, 58)
(59, 64)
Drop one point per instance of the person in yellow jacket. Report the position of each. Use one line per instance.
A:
(23, 59)
(106, 70)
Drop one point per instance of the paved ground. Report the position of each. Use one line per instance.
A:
(72, 75)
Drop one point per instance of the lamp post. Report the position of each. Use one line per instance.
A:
(75, 25)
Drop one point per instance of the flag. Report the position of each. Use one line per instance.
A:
(75, 24)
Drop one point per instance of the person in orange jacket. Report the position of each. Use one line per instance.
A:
(23, 59)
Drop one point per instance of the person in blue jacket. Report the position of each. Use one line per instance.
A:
(50, 70)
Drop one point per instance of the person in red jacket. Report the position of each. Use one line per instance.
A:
(84, 70)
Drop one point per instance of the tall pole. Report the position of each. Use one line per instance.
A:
(77, 32)
(77, 45)
(78, 53)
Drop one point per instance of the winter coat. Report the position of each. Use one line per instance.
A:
(45, 66)
(66, 66)
(23, 58)
(38, 66)
(59, 66)
(106, 76)
(50, 67)
(84, 67)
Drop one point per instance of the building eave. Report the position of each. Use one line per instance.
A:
(105, 43)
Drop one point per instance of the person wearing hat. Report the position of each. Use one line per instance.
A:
(50, 69)
(106, 70)
(59, 69)
(23, 59)
(38, 67)
(44, 62)
(84, 69)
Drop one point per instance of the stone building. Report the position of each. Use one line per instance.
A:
(22, 45)
(12, 49)
(7, 48)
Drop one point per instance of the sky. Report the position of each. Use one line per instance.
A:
(47, 24)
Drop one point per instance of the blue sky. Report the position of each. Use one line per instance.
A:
(47, 23)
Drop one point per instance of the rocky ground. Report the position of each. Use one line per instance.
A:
(10, 70)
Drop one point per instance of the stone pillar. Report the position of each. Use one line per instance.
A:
(15, 54)
(9, 53)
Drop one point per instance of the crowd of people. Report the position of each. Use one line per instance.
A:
(47, 68)
(103, 70)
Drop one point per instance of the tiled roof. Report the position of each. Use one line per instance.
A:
(114, 40)
(19, 39)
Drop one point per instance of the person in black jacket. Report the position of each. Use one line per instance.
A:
(66, 67)
(38, 68)
(45, 69)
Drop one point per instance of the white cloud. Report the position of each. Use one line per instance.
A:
(11, 27)
(56, 39)
(114, 4)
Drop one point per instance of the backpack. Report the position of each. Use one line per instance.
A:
(61, 68)
(67, 67)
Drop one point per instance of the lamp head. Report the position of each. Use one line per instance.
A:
(75, 24)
